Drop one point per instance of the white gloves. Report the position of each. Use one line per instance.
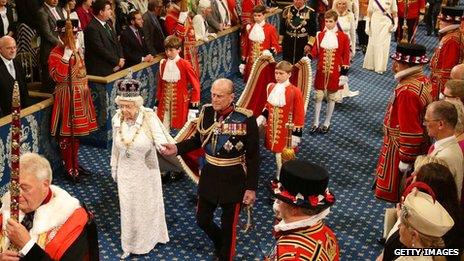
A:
(192, 114)
(395, 25)
(267, 52)
(404, 167)
(113, 174)
(212, 35)
(342, 80)
(367, 29)
(261, 120)
(182, 17)
(205, 39)
(67, 54)
(241, 68)
(295, 141)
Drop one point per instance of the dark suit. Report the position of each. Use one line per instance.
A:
(132, 49)
(27, 12)
(237, 141)
(48, 40)
(6, 87)
(12, 24)
(154, 33)
(102, 51)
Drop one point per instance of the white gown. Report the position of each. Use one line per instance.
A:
(143, 222)
(376, 57)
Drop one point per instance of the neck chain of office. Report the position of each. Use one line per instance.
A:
(128, 144)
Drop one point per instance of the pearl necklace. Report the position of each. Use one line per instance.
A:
(126, 143)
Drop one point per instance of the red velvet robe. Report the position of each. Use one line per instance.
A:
(276, 132)
(330, 62)
(84, 111)
(181, 96)
(187, 35)
(448, 54)
(405, 137)
(271, 42)
(317, 242)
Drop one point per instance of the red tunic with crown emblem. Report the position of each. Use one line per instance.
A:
(175, 98)
(246, 18)
(317, 242)
(330, 61)
(276, 132)
(448, 54)
(187, 35)
(83, 109)
(404, 135)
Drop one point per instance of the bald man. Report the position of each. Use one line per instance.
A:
(11, 71)
(229, 137)
(457, 73)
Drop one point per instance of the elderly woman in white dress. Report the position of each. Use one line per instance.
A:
(347, 23)
(381, 22)
(137, 134)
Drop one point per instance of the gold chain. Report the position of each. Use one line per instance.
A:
(126, 143)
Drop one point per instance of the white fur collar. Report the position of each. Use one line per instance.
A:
(48, 216)
(406, 72)
(449, 28)
(308, 222)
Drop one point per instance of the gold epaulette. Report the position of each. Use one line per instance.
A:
(285, 11)
(247, 112)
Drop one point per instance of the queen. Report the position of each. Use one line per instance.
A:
(137, 135)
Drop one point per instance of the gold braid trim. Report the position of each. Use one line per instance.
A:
(247, 112)
(206, 132)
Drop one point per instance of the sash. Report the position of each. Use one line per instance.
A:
(384, 12)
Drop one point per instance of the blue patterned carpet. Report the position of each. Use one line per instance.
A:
(349, 151)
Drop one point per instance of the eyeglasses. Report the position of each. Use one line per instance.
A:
(427, 121)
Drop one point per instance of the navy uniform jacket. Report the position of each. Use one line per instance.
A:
(237, 137)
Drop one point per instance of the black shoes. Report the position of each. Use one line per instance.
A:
(315, 129)
(83, 171)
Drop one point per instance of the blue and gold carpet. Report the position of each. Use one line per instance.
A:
(349, 151)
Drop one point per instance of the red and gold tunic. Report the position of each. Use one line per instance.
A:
(246, 18)
(276, 132)
(317, 242)
(330, 62)
(187, 35)
(175, 97)
(404, 135)
(415, 7)
(448, 54)
(83, 111)
(254, 49)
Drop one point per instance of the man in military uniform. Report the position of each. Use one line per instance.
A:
(229, 177)
(302, 202)
(298, 27)
(404, 135)
(73, 112)
(450, 49)
(412, 9)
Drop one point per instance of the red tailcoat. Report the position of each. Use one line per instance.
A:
(187, 35)
(414, 8)
(446, 56)
(317, 242)
(276, 132)
(246, 18)
(271, 42)
(177, 102)
(84, 111)
(330, 62)
(404, 135)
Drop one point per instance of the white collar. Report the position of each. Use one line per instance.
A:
(6, 61)
(406, 72)
(307, 222)
(101, 22)
(449, 28)
(440, 143)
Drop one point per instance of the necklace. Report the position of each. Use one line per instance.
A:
(127, 143)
